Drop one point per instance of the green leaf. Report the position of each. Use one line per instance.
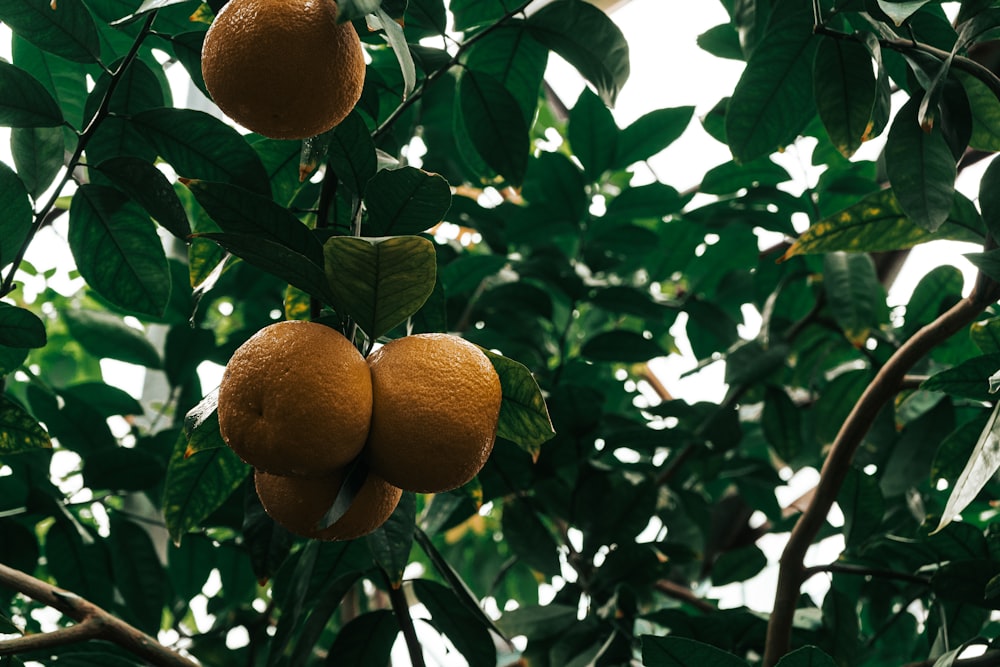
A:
(391, 542)
(588, 40)
(149, 187)
(239, 211)
(199, 145)
(106, 336)
(513, 57)
(493, 121)
(108, 400)
(621, 346)
(79, 562)
(877, 223)
(24, 102)
(987, 262)
(365, 640)
(680, 652)
(524, 419)
(807, 656)
(645, 202)
(978, 471)
(844, 89)
(19, 327)
(537, 622)
(593, 134)
(781, 420)
(122, 469)
(772, 100)
(117, 250)
(921, 169)
(900, 10)
(198, 484)
(352, 153)
(139, 577)
(15, 223)
(380, 282)
(319, 617)
(722, 41)
(738, 565)
(854, 293)
(146, 7)
(989, 197)
(65, 81)
(405, 201)
(38, 154)
(529, 538)
(649, 134)
(466, 631)
(969, 379)
(65, 29)
(985, 113)
(986, 335)
(471, 13)
(19, 431)
(861, 501)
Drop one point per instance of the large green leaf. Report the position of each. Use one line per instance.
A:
(106, 336)
(198, 484)
(38, 154)
(968, 379)
(65, 29)
(781, 421)
(854, 293)
(878, 223)
(651, 133)
(79, 562)
(621, 346)
(989, 197)
(807, 656)
(844, 86)
(75, 424)
(24, 102)
(365, 641)
(773, 100)
(524, 419)
(19, 327)
(405, 201)
(239, 211)
(492, 118)
(587, 39)
(379, 282)
(19, 431)
(538, 621)
(149, 187)
(392, 542)
(471, 13)
(352, 153)
(680, 652)
(199, 145)
(139, 577)
(979, 470)
(15, 223)
(985, 113)
(123, 469)
(117, 251)
(921, 169)
(862, 503)
(469, 635)
(65, 80)
(593, 134)
(529, 538)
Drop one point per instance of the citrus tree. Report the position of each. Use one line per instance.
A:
(459, 195)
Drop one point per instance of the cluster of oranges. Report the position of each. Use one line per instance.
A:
(301, 405)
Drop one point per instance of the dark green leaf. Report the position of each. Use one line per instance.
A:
(38, 154)
(105, 398)
(122, 469)
(900, 10)
(529, 538)
(722, 41)
(187, 47)
(24, 102)
(117, 250)
(17, 214)
(921, 169)
(645, 202)
(807, 656)
(198, 484)
(313, 628)
(494, 123)
(537, 622)
(139, 577)
(593, 134)
(649, 134)
(19, 431)
(771, 103)
(877, 223)
(149, 187)
(969, 379)
(986, 335)
(391, 543)
(861, 501)
(365, 641)
(738, 565)
(844, 86)
(524, 419)
(985, 113)
(19, 327)
(465, 631)
(106, 336)
(854, 293)
(79, 562)
(621, 346)
(979, 470)
(587, 39)
(405, 201)
(352, 153)
(380, 282)
(989, 197)
(65, 29)
(513, 57)
(750, 362)
(681, 652)
(199, 145)
(471, 13)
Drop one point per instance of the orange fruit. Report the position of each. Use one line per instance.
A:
(298, 504)
(296, 399)
(283, 68)
(434, 418)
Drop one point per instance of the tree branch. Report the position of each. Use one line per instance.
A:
(401, 608)
(881, 390)
(93, 622)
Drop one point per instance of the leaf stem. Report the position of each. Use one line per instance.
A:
(883, 387)
(438, 73)
(42, 215)
(401, 608)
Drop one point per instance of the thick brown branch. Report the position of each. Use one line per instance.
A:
(838, 462)
(93, 622)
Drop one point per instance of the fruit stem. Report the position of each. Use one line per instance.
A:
(401, 608)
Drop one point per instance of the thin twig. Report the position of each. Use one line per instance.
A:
(881, 390)
(862, 571)
(684, 594)
(401, 608)
(93, 622)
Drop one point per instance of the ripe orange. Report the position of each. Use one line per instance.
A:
(434, 419)
(296, 399)
(283, 68)
(298, 503)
